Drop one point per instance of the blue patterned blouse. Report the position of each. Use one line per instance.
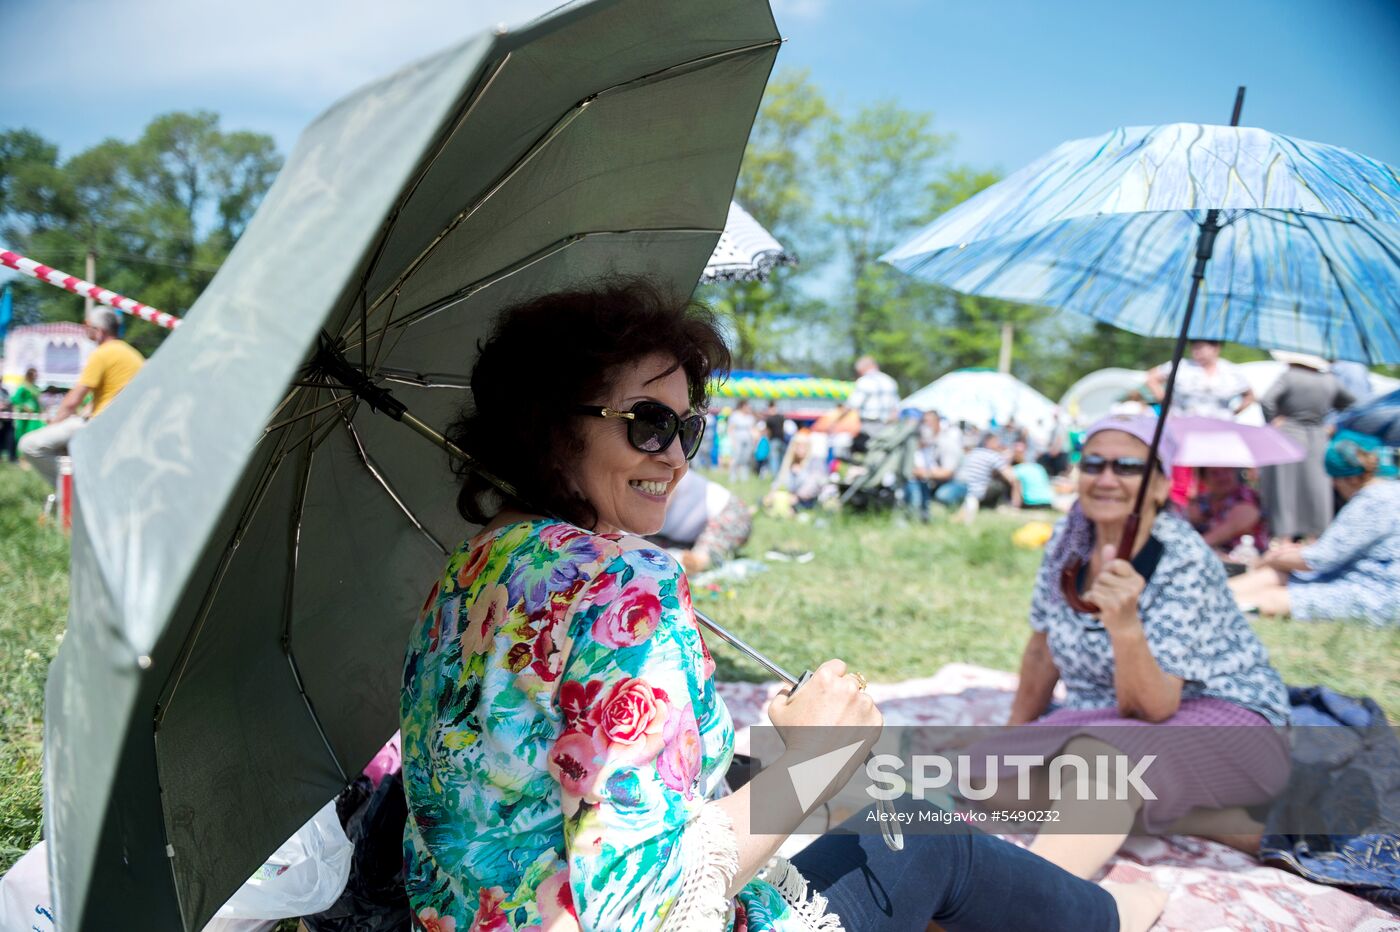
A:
(1193, 628)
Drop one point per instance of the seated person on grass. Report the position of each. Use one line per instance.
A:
(1353, 571)
(975, 482)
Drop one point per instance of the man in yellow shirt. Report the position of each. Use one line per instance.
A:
(107, 371)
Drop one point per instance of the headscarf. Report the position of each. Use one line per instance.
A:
(1343, 457)
(1077, 536)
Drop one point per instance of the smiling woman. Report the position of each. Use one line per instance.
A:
(564, 745)
(554, 361)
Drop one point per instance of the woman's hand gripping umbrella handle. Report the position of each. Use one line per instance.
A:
(889, 827)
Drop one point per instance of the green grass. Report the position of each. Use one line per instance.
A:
(33, 609)
(898, 600)
(892, 599)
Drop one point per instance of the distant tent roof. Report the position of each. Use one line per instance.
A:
(983, 396)
(1095, 394)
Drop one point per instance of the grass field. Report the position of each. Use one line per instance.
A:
(892, 599)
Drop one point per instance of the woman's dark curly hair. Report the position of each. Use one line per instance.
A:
(551, 354)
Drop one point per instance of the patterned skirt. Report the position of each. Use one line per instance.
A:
(1225, 756)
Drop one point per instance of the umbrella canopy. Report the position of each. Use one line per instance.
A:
(983, 397)
(745, 251)
(250, 542)
(1204, 441)
(1307, 258)
(1379, 417)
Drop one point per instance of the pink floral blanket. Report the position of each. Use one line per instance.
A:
(1211, 887)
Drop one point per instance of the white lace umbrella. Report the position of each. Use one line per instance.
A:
(745, 251)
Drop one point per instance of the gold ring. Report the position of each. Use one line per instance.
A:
(861, 680)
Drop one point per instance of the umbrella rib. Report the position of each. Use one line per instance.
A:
(466, 111)
(254, 501)
(305, 414)
(298, 509)
(1346, 299)
(423, 380)
(369, 466)
(289, 595)
(466, 291)
(549, 136)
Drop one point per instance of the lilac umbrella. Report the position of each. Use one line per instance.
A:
(1204, 441)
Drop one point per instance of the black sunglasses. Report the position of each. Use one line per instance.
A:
(652, 426)
(1123, 467)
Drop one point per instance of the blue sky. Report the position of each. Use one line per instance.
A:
(1010, 77)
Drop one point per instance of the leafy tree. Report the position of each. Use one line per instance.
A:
(877, 169)
(160, 213)
(776, 185)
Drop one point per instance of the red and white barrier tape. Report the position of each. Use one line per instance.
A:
(87, 289)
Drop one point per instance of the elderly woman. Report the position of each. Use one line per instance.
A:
(1353, 570)
(1168, 646)
(563, 741)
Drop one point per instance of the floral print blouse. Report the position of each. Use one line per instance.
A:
(561, 738)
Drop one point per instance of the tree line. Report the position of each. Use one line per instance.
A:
(161, 213)
(839, 189)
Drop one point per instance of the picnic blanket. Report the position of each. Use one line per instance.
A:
(1210, 886)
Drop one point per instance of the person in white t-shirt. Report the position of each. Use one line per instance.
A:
(1206, 385)
(740, 430)
(875, 397)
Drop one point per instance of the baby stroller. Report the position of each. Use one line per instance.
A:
(874, 476)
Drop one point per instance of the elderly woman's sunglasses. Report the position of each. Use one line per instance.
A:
(1125, 466)
(652, 426)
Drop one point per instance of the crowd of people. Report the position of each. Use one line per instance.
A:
(593, 716)
(1258, 522)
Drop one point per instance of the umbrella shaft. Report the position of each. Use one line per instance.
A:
(1205, 247)
(746, 650)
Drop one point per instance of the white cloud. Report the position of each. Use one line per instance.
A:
(304, 53)
(809, 10)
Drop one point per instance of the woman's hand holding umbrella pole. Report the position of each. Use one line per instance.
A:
(829, 712)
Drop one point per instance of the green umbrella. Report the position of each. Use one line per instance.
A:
(251, 542)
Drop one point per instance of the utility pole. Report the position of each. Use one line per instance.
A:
(88, 303)
(1008, 334)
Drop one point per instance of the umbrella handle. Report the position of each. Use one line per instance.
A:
(1069, 576)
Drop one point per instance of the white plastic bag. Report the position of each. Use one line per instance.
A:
(24, 893)
(304, 876)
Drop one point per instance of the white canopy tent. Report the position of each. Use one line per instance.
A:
(984, 398)
(1095, 394)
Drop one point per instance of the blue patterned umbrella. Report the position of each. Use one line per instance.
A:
(1379, 417)
(1307, 257)
(1123, 228)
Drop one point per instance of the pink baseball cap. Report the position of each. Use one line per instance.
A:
(1141, 426)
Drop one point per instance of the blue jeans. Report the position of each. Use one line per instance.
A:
(951, 493)
(916, 496)
(965, 881)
